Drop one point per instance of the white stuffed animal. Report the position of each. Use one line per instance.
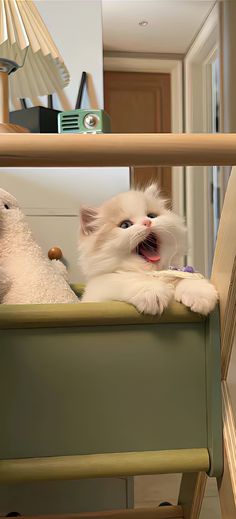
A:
(27, 276)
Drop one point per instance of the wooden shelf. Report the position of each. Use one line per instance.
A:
(90, 150)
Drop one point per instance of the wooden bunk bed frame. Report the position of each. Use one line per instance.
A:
(31, 150)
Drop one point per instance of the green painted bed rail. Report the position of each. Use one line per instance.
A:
(89, 314)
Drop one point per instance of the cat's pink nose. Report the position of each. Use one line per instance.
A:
(147, 222)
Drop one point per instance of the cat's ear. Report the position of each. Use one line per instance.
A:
(153, 190)
(88, 217)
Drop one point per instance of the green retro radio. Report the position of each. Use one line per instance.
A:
(83, 120)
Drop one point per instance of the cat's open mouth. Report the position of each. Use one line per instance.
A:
(149, 249)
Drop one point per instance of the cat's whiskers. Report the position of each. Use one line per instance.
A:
(162, 230)
(165, 231)
(133, 240)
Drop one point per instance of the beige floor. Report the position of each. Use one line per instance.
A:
(151, 490)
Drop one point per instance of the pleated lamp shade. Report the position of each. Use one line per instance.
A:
(25, 40)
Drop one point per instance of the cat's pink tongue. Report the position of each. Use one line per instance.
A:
(149, 254)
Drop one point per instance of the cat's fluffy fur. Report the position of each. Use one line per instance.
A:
(118, 267)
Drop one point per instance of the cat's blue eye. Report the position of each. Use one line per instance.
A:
(152, 215)
(125, 224)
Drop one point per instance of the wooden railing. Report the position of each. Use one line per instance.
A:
(87, 150)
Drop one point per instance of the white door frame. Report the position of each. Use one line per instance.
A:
(174, 68)
(198, 119)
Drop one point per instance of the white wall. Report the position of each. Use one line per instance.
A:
(76, 28)
(51, 197)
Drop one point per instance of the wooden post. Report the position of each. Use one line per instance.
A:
(192, 490)
(224, 278)
(5, 126)
(4, 110)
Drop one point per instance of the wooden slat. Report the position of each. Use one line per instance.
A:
(103, 465)
(164, 512)
(191, 494)
(226, 495)
(225, 249)
(229, 325)
(86, 150)
(89, 314)
(229, 440)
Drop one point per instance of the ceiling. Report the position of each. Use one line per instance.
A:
(172, 24)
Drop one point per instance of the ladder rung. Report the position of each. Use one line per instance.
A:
(163, 512)
(104, 465)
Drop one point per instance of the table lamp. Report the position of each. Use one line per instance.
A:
(28, 53)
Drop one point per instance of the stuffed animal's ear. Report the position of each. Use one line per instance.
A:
(153, 190)
(88, 218)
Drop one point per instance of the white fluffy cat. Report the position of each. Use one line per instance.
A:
(125, 249)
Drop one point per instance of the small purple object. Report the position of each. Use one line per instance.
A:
(188, 268)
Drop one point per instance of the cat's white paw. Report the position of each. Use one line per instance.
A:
(153, 298)
(198, 294)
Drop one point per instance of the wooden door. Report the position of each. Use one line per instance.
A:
(140, 103)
